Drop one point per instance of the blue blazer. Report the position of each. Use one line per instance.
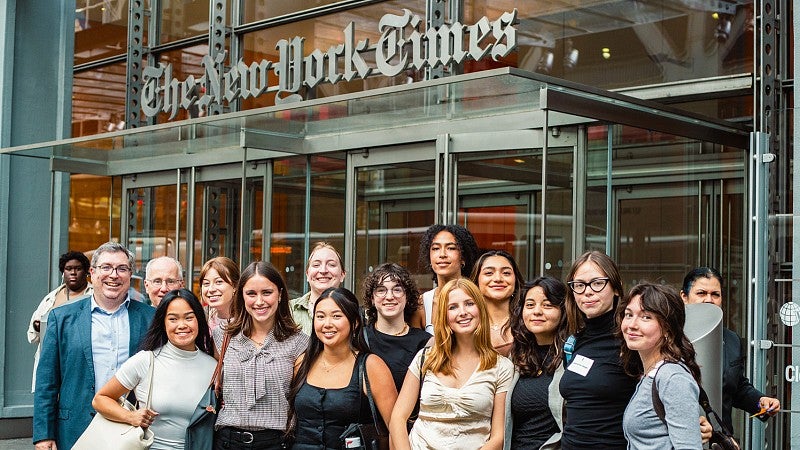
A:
(65, 377)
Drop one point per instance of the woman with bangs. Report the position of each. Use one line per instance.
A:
(656, 349)
(500, 281)
(390, 302)
(463, 379)
(534, 405)
(218, 279)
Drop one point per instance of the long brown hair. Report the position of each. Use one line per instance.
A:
(576, 317)
(666, 305)
(241, 321)
(440, 356)
(523, 350)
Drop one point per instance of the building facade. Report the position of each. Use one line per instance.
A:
(658, 131)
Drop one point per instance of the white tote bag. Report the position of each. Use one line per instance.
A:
(109, 435)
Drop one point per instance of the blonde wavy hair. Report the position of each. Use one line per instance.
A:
(439, 358)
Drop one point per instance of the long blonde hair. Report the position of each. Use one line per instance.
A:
(440, 356)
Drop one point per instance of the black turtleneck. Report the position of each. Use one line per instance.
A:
(596, 402)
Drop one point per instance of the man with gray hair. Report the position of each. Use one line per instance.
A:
(86, 342)
(162, 275)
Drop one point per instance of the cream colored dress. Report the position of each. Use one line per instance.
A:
(451, 418)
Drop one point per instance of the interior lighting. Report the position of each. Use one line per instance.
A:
(570, 56)
(545, 64)
(606, 52)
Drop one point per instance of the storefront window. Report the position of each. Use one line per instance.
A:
(101, 29)
(615, 44)
(185, 62)
(181, 19)
(268, 9)
(89, 211)
(98, 100)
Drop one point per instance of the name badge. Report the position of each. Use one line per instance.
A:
(581, 365)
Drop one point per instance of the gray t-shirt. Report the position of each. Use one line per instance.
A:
(644, 430)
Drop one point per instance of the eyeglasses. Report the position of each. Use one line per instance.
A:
(381, 291)
(106, 269)
(170, 282)
(597, 285)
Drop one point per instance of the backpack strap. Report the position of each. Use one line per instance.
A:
(569, 349)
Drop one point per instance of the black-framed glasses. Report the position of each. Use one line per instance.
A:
(597, 285)
(381, 291)
(171, 283)
(107, 269)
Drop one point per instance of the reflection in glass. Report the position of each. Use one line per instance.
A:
(181, 19)
(185, 62)
(101, 30)
(255, 10)
(98, 100)
(394, 206)
(613, 44)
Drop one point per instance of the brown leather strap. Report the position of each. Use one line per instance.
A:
(216, 379)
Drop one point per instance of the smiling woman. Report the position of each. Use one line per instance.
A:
(324, 270)
(264, 346)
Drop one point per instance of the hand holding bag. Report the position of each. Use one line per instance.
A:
(200, 432)
(106, 434)
(371, 436)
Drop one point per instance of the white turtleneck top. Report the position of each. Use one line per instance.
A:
(180, 378)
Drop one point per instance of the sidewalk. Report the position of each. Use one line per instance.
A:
(16, 444)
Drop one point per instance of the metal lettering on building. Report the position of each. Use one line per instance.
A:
(401, 47)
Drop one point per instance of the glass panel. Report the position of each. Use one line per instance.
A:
(98, 100)
(498, 198)
(101, 29)
(326, 222)
(89, 212)
(738, 109)
(394, 206)
(596, 210)
(181, 19)
(559, 205)
(322, 33)
(610, 44)
(267, 9)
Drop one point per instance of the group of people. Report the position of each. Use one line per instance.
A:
(484, 360)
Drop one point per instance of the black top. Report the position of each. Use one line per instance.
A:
(737, 391)
(323, 414)
(533, 421)
(397, 351)
(595, 403)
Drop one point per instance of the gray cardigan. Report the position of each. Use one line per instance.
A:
(556, 403)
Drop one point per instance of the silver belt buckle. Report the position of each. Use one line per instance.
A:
(248, 437)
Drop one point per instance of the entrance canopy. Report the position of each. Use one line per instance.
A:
(493, 100)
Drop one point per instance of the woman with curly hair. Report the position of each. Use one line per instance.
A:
(390, 301)
(500, 280)
(534, 405)
(657, 350)
(463, 380)
(449, 251)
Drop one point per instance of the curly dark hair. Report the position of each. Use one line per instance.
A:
(398, 274)
(523, 350)
(666, 305)
(466, 245)
(69, 256)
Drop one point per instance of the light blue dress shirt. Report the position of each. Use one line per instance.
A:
(111, 337)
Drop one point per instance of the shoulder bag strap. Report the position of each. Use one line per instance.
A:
(216, 378)
(705, 403)
(150, 387)
(658, 405)
(380, 426)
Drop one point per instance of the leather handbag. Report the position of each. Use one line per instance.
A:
(107, 434)
(366, 436)
(200, 432)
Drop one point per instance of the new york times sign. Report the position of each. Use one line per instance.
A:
(401, 46)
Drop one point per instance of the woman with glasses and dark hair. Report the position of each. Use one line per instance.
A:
(657, 351)
(595, 386)
(704, 285)
(449, 251)
(533, 404)
(500, 280)
(183, 364)
(390, 301)
(327, 394)
(264, 347)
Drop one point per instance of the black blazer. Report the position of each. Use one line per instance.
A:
(737, 391)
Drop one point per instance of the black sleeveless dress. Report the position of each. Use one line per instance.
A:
(323, 414)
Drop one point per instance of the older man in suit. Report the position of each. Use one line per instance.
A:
(85, 343)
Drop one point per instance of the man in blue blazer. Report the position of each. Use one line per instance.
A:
(85, 343)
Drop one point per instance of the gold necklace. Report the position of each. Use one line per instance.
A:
(327, 367)
(260, 343)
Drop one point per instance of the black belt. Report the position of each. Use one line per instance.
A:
(248, 436)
